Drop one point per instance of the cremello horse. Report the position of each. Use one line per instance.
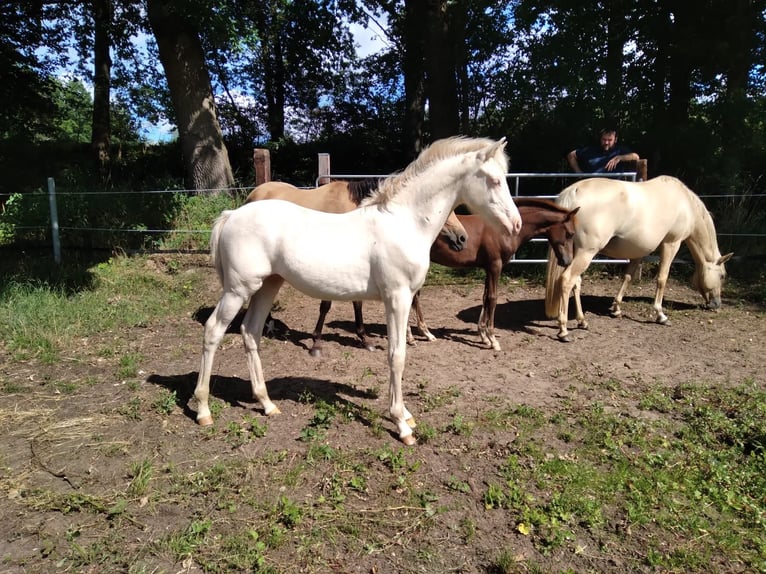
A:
(378, 252)
(341, 197)
(630, 220)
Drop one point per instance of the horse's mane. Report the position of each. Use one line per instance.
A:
(361, 189)
(540, 203)
(437, 151)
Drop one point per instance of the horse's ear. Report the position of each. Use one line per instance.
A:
(725, 258)
(572, 213)
(493, 149)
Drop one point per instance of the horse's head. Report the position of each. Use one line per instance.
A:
(454, 233)
(491, 198)
(708, 279)
(560, 236)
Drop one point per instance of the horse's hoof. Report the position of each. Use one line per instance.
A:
(564, 338)
(430, 337)
(411, 422)
(615, 314)
(272, 412)
(370, 347)
(409, 440)
(316, 353)
(663, 320)
(205, 421)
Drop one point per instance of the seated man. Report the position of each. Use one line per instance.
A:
(602, 158)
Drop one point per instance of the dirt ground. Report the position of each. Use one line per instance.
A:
(79, 445)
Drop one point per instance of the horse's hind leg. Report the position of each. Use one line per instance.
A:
(571, 279)
(420, 320)
(215, 328)
(316, 336)
(489, 304)
(630, 271)
(252, 329)
(360, 332)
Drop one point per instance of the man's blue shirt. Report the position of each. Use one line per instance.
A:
(593, 159)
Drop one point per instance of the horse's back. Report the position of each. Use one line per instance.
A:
(331, 198)
(630, 219)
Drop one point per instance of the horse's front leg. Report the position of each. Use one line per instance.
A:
(627, 277)
(667, 252)
(252, 329)
(360, 331)
(397, 314)
(316, 336)
(569, 279)
(215, 329)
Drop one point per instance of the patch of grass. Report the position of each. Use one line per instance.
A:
(140, 474)
(165, 403)
(41, 312)
(128, 365)
(702, 470)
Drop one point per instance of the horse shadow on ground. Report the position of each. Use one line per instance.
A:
(338, 331)
(528, 315)
(236, 392)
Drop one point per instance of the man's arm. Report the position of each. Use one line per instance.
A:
(572, 159)
(612, 163)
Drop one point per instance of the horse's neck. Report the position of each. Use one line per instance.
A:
(702, 242)
(435, 190)
(534, 220)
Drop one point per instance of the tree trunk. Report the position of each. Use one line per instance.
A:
(414, 77)
(441, 82)
(274, 86)
(101, 128)
(205, 156)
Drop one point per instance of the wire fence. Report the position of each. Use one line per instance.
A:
(157, 220)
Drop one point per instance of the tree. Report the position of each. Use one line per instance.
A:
(102, 65)
(183, 59)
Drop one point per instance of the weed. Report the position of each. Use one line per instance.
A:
(128, 365)
(165, 403)
(140, 474)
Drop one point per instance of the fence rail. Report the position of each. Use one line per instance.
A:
(54, 227)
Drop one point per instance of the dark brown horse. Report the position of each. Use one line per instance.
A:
(490, 249)
(341, 197)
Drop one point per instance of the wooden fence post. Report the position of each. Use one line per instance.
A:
(324, 169)
(262, 164)
(642, 168)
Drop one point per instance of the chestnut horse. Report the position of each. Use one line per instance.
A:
(490, 249)
(341, 197)
(630, 220)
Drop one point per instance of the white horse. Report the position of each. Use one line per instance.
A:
(630, 220)
(377, 252)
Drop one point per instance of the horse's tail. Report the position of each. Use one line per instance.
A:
(566, 199)
(552, 286)
(215, 235)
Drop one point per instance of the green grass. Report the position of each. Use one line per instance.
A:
(42, 312)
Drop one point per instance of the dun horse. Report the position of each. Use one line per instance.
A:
(259, 246)
(631, 220)
(490, 249)
(341, 197)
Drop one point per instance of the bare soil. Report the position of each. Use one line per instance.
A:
(70, 440)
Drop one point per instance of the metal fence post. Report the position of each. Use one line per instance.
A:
(54, 221)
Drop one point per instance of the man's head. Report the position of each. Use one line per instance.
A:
(608, 139)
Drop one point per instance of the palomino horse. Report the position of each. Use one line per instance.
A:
(259, 246)
(341, 197)
(630, 220)
(491, 249)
